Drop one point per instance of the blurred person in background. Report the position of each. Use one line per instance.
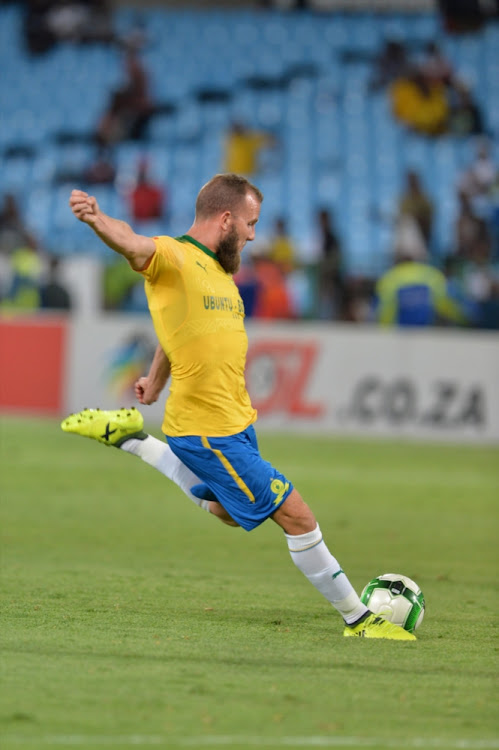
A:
(130, 107)
(419, 103)
(112, 127)
(416, 203)
(273, 297)
(53, 293)
(121, 290)
(465, 116)
(147, 199)
(331, 284)
(13, 231)
(26, 268)
(139, 100)
(358, 296)
(414, 294)
(479, 177)
(468, 227)
(243, 147)
(480, 279)
(281, 249)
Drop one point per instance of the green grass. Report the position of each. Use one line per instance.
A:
(130, 617)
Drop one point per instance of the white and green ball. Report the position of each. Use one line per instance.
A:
(397, 598)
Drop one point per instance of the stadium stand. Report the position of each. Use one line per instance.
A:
(304, 77)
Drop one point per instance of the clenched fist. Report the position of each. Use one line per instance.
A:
(84, 206)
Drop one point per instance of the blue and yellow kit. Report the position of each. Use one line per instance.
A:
(198, 316)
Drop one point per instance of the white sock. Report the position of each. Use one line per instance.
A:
(160, 456)
(310, 554)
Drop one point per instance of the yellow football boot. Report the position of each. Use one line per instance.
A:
(375, 626)
(109, 427)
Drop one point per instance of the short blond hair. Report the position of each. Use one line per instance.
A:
(224, 192)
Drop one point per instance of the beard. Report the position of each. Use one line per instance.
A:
(228, 254)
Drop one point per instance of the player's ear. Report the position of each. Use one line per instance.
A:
(225, 220)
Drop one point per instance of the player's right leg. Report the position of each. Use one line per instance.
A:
(123, 428)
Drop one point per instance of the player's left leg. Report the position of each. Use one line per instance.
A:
(311, 555)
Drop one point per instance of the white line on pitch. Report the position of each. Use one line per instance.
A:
(242, 741)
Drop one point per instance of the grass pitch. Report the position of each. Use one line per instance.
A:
(132, 618)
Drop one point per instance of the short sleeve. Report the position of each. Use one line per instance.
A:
(169, 255)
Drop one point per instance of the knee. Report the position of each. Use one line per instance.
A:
(219, 511)
(294, 516)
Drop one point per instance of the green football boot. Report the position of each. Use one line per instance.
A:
(112, 427)
(375, 626)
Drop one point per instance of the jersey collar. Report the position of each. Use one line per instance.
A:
(188, 238)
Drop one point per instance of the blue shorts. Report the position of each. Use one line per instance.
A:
(249, 488)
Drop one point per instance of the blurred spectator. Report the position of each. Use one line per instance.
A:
(414, 202)
(468, 227)
(331, 284)
(391, 63)
(408, 240)
(243, 147)
(113, 126)
(13, 232)
(102, 171)
(130, 107)
(53, 294)
(420, 104)
(273, 300)
(281, 249)
(139, 101)
(465, 117)
(247, 283)
(263, 288)
(415, 294)
(148, 200)
(121, 290)
(358, 297)
(481, 282)
(478, 179)
(453, 272)
(26, 269)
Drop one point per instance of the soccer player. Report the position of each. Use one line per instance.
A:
(198, 317)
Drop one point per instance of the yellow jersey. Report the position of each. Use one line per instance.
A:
(198, 316)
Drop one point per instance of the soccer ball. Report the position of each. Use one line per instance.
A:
(397, 598)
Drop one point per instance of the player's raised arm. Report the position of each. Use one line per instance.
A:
(117, 234)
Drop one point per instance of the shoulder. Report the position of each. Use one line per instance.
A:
(170, 247)
(168, 253)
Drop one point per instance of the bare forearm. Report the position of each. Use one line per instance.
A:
(120, 237)
(160, 369)
(117, 234)
(148, 388)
